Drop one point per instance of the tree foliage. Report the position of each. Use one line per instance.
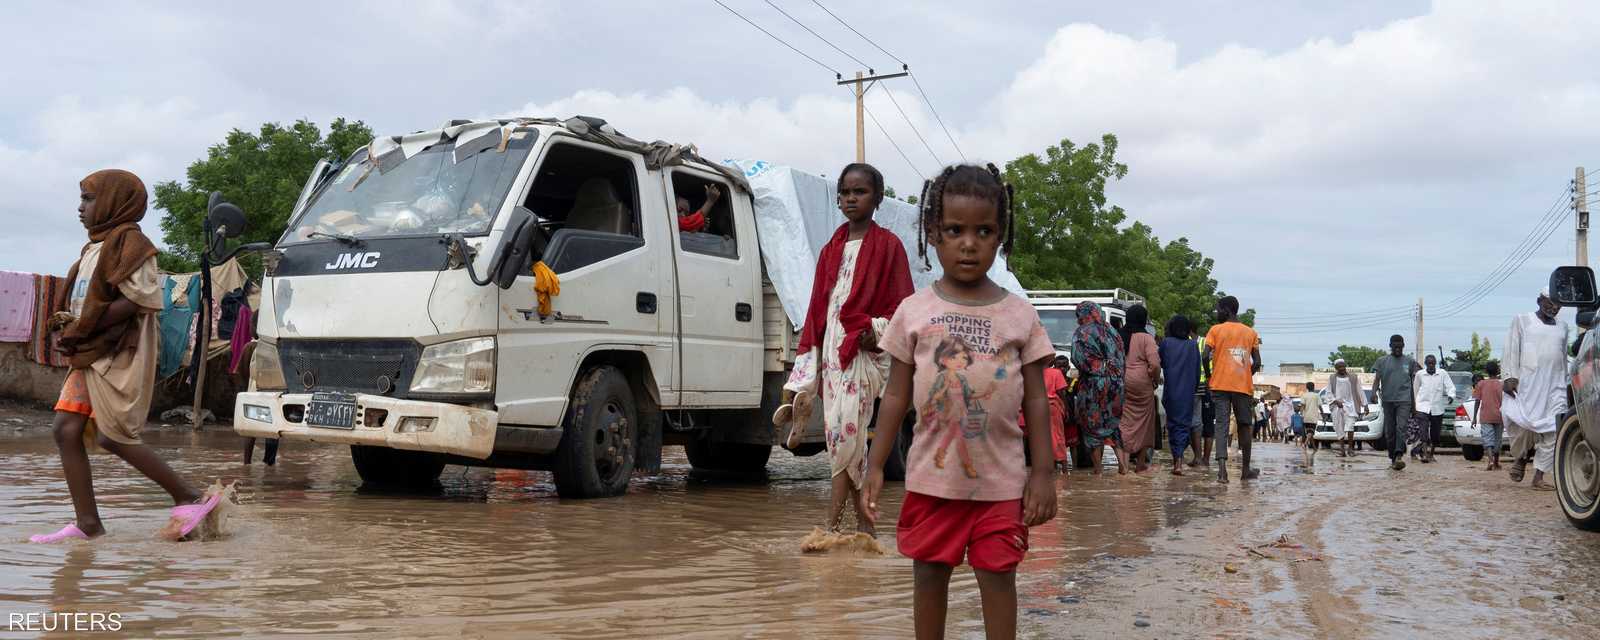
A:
(261, 172)
(1477, 354)
(1069, 236)
(1355, 356)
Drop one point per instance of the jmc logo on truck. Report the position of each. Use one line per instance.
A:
(363, 260)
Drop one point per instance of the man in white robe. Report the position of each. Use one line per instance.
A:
(1535, 364)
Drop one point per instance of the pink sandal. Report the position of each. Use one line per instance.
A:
(69, 532)
(193, 514)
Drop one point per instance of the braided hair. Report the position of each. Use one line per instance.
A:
(970, 180)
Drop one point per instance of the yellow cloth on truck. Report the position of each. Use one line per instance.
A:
(545, 285)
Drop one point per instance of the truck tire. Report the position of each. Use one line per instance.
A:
(595, 457)
(396, 468)
(1577, 476)
(1472, 452)
(717, 455)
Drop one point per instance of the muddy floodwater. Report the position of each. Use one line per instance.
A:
(1437, 550)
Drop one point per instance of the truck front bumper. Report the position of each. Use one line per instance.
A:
(380, 421)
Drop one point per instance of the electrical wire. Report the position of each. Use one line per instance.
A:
(1392, 312)
(853, 29)
(935, 113)
(825, 41)
(791, 47)
(913, 126)
(892, 143)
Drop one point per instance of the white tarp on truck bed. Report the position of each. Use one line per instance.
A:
(796, 214)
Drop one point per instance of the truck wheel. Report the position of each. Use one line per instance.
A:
(1472, 452)
(716, 455)
(1577, 476)
(595, 457)
(396, 468)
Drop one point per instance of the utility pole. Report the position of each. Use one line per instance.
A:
(1580, 206)
(863, 83)
(1420, 351)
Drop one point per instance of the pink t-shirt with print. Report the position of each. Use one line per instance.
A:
(967, 392)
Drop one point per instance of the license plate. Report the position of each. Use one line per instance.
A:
(332, 410)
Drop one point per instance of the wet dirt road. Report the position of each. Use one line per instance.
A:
(1442, 549)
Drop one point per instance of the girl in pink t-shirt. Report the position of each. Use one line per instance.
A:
(970, 357)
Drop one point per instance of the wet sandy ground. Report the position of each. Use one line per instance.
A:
(1437, 550)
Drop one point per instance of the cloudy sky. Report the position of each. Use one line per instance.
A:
(1339, 159)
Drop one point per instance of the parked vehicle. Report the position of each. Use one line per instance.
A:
(1368, 427)
(1577, 469)
(401, 314)
(1058, 311)
(1452, 411)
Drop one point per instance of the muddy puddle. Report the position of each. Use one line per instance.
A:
(497, 554)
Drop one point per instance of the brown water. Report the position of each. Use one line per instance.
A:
(497, 554)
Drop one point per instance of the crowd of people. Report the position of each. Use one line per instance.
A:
(997, 410)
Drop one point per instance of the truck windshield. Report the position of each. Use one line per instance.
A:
(431, 192)
(1059, 324)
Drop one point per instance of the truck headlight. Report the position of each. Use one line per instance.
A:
(462, 366)
(266, 372)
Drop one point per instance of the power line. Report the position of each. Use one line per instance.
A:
(892, 143)
(836, 73)
(853, 29)
(913, 126)
(819, 36)
(936, 117)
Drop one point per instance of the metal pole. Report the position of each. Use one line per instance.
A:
(1580, 206)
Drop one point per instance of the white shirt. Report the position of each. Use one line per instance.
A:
(1431, 390)
(1536, 355)
(1342, 391)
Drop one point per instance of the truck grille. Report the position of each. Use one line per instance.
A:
(378, 367)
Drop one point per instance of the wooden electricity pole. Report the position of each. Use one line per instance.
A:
(1580, 209)
(863, 83)
(1420, 352)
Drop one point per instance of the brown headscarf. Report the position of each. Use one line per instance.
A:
(119, 205)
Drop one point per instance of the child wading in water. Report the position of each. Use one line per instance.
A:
(110, 331)
(981, 509)
(862, 275)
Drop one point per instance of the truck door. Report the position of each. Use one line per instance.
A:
(608, 257)
(719, 294)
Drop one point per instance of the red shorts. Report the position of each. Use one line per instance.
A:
(990, 535)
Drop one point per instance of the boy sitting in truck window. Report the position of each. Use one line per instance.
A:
(698, 221)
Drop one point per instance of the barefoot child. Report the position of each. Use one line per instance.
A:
(979, 510)
(110, 332)
(862, 275)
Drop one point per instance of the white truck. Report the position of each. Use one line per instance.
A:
(399, 313)
(1058, 310)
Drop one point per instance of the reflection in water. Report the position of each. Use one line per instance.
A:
(495, 553)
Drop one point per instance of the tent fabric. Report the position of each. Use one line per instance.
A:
(17, 297)
(795, 217)
(176, 317)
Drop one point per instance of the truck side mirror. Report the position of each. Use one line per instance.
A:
(1573, 287)
(516, 254)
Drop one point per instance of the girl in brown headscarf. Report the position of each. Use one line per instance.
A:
(110, 332)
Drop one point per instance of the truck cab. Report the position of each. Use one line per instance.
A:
(1577, 468)
(409, 312)
(1058, 310)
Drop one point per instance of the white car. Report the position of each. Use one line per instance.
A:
(1469, 433)
(1368, 427)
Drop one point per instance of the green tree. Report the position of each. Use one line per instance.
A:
(1069, 236)
(1477, 354)
(261, 172)
(1355, 356)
